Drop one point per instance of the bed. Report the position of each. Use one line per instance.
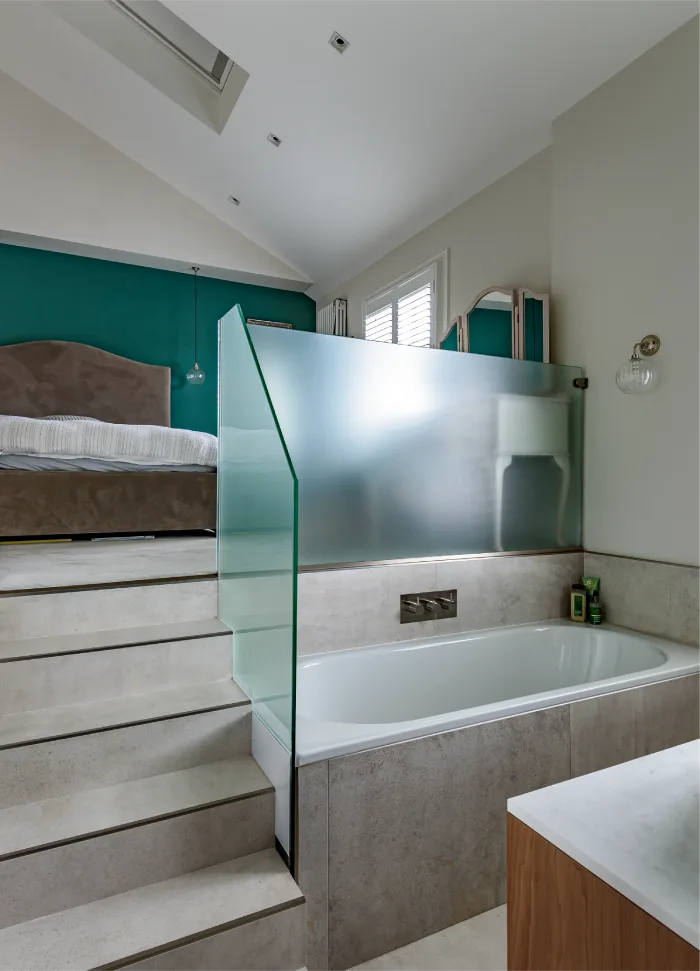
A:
(59, 378)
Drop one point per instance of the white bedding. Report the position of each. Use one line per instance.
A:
(48, 463)
(133, 446)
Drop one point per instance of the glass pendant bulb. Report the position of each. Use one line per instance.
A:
(195, 375)
(637, 376)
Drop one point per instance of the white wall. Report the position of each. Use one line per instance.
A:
(499, 237)
(59, 181)
(625, 264)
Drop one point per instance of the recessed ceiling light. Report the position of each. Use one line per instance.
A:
(234, 201)
(338, 42)
(274, 140)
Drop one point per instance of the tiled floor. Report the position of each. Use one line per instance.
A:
(40, 565)
(478, 944)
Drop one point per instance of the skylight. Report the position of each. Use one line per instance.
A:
(157, 45)
(183, 40)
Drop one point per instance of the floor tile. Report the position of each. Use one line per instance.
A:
(477, 944)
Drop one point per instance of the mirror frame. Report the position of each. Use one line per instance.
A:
(515, 345)
(455, 322)
(544, 297)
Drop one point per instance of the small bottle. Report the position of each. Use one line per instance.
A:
(578, 603)
(595, 611)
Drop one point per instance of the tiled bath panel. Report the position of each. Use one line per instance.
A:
(416, 832)
(400, 842)
(312, 858)
(626, 725)
(657, 598)
(492, 591)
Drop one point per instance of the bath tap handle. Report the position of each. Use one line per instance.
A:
(414, 606)
(431, 605)
(445, 602)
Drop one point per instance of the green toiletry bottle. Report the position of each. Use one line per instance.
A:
(595, 611)
(578, 603)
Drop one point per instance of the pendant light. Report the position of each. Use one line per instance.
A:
(195, 375)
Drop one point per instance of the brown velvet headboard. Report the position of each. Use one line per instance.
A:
(41, 378)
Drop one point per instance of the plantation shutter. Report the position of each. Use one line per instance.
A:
(405, 314)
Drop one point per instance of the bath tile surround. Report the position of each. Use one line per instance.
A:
(657, 598)
(405, 830)
(626, 725)
(340, 609)
(415, 831)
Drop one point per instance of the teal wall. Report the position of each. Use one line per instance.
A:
(135, 311)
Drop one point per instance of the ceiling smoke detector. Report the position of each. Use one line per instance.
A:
(234, 201)
(340, 44)
(274, 140)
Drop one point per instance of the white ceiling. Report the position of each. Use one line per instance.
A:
(433, 100)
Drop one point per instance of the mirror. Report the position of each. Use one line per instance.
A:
(506, 323)
(489, 326)
(533, 326)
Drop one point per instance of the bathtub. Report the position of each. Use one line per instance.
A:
(353, 700)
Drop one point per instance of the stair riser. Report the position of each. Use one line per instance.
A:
(47, 682)
(274, 943)
(56, 768)
(108, 608)
(67, 876)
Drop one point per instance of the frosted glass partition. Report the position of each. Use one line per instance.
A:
(405, 452)
(256, 538)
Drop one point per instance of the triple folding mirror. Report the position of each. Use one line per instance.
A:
(503, 323)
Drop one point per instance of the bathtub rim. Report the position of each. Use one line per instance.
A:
(682, 660)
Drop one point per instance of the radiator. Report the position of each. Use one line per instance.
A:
(333, 319)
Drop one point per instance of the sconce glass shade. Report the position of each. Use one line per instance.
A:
(195, 375)
(637, 376)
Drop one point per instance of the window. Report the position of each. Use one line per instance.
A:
(406, 313)
(182, 39)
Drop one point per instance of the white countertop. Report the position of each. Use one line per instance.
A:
(636, 826)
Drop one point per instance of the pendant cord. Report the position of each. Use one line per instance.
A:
(195, 270)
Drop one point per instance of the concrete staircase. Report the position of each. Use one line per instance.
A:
(136, 830)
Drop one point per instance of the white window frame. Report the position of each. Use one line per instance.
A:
(433, 271)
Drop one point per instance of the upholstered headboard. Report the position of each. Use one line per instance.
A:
(41, 378)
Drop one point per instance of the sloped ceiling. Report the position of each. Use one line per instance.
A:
(433, 100)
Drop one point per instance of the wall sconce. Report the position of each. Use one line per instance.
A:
(637, 376)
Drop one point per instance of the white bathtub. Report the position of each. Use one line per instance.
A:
(348, 701)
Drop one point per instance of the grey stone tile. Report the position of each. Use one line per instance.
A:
(417, 830)
(626, 725)
(23, 727)
(78, 563)
(39, 825)
(82, 611)
(272, 942)
(116, 930)
(70, 679)
(492, 592)
(477, 944)
(77, 873)
(657, 598)
(312, 858)
(66, 765)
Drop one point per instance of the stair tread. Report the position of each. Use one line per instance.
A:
(122, 929)
(27, 727)
(99, 640)
(61, 819)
